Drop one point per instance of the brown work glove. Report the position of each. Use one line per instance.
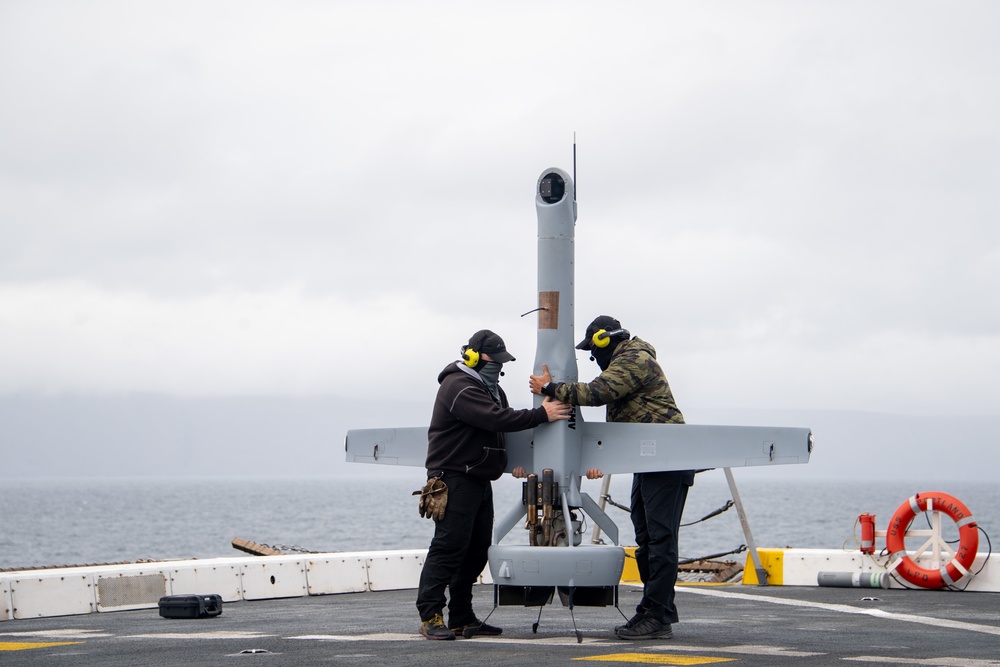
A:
(433, 499)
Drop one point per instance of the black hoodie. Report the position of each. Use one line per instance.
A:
(466, 433)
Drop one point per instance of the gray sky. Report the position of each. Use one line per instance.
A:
(796, 203)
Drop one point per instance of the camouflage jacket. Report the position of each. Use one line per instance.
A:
(633, 387)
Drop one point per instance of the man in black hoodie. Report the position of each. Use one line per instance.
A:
(466, 450)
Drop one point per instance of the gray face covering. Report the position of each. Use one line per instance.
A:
(490, 372)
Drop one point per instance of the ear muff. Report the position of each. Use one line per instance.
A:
(470, 357)
(603, 337)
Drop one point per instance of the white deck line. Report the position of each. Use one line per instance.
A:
(937, 622)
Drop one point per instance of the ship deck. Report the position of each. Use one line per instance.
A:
(746, 625)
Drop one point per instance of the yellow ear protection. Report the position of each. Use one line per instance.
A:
(603, 337)
(470, 357)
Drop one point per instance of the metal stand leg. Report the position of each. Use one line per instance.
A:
(751, 545)
(605, 487)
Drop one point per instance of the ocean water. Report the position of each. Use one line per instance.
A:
(48, 522)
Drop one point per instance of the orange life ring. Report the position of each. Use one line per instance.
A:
(968, 534)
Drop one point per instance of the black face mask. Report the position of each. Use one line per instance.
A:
(602, 355)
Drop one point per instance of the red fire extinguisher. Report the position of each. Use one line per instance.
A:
(867, 533)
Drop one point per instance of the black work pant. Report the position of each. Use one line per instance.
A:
(657, 505)
(459, 550)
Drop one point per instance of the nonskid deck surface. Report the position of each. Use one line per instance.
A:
(745, 625)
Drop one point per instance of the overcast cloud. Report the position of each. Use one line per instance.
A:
(796, 203)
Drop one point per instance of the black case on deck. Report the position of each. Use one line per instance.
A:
(190, 606)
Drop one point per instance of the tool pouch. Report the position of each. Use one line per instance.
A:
(433, 499)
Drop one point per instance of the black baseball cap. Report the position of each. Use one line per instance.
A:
(486, 341)
(605, 322)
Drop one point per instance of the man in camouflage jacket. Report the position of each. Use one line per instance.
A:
(634, 389)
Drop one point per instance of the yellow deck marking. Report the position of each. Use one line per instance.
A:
(657, 658)
(24, 646)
